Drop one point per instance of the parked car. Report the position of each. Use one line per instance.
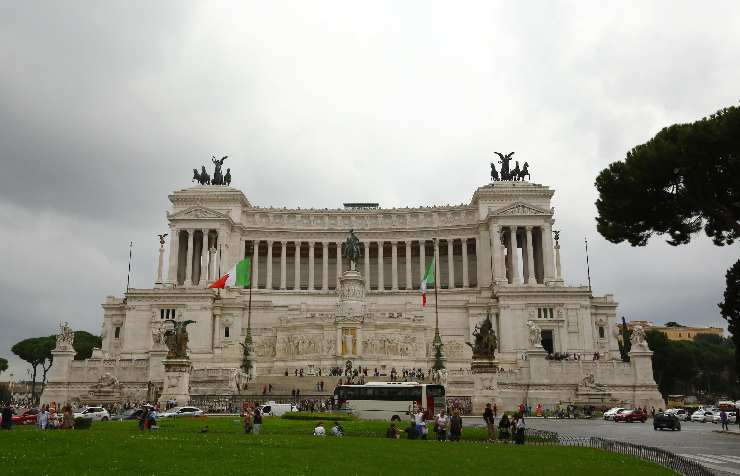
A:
(177, 412)
(277, 409)
(703, 416)
(666, 420)
(731, 417)
(680, 413)
(609, 414)
(131, 414)
(94, 413)
(631, 416)
(28, 417)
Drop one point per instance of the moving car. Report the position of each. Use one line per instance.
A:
(731, 417)
(631, 416)
(609, 414)
(666, 420)
(131, 414)
(277, 409)
(178, 412)
(94, 413)
(703, 415)
(28, 417)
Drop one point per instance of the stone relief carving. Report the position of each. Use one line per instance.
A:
(264, 347)
(296, 345)
(454, 349)
(106, 381)
(589, 383)
(158, 335)
(391, 345)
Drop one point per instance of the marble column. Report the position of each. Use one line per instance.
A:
(531, 279)
(514, 256)
(558, 269)
(203, 281)
(394, 265)
(381, 283)
(366, 244)
(422, 260)
(408, 264)
(212, 270)
(160, 264)
(283, 263)
(339, 262)
(311, 265)
(297, 259)
(268, 276)
(497, 249)
(466, 279)
(436, 264)
(451, 263)
(483, 256)
(189, 263)
(174, 253)
(339, 341)
(325, 266)
(547, 252)
(255, 262)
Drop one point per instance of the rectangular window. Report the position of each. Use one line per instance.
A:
(547, 341)
(602, 334)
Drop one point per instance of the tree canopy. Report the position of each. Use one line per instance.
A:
(730, 308)
(84, 343)
(3, 365)
(681, 181)
(35, 351)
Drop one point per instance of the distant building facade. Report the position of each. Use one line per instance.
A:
(678, 332)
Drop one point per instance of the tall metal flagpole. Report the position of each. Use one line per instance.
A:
(249, 310)
(588, 267)
(437, 339)
(128, 276)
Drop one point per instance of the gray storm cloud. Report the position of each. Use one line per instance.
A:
(106, 108)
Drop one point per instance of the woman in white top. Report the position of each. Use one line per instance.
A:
(319, 430)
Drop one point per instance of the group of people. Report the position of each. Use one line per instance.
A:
(48, 417)
(252, 420)
(508, 428)
(337, 430)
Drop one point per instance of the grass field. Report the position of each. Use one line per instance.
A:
(286, 447)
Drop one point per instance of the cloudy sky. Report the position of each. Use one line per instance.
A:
(106, 107)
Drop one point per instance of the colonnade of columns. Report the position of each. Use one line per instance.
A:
(537, 254)
(381, 271)
(193, 258)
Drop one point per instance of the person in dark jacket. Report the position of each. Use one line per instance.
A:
(490, 418)
(7, 422)
(455, 426)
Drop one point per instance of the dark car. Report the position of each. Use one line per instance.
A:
(666, 420)
(131, 414)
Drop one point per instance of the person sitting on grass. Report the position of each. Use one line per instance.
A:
(393, 432)
(319, 430)
(337, 430)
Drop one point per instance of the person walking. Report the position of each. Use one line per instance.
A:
(42, 419)
(723, 420)
(520, 425)
(257, 421)
(455, 426)
(419, 419)
(440, 425)
(490, 419)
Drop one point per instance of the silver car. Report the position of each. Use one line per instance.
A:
(177, 412)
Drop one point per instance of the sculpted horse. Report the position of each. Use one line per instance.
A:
(494, 173)
(525, 172)
(515, 171)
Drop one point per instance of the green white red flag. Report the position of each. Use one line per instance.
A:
(426, 281)
(239, 276)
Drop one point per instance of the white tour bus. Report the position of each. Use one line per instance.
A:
(384, 400)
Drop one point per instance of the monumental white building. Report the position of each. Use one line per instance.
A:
(494, 254)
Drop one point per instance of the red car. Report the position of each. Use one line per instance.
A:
(631, 416)
(28, 417)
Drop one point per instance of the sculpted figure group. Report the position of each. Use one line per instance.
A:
(515, 174)
(219, 178)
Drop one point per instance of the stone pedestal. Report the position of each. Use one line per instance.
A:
(57, 386)
(176, 381)
(646, 392)
(485, 372)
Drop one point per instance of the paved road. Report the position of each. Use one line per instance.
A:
(698, 441)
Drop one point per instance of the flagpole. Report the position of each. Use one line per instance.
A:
(249, 308)
(128, 276)
(437, 339)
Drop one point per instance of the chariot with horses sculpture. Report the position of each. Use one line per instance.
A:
(219, 178)
(515, 174)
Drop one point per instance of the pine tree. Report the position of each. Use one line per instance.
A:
(730, 309)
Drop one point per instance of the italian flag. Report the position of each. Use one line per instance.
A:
(428, 279)
(239, 276)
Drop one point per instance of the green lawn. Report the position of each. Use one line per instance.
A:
(286, 447)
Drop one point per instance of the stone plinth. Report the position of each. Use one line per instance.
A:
(485, 372)
(352, 295)
(176, 381)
